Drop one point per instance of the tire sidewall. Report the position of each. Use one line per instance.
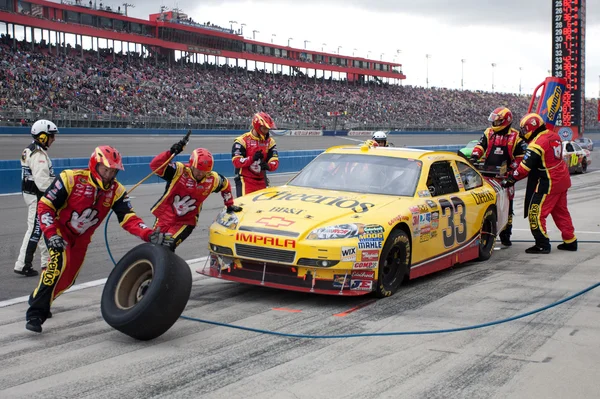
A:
(162, 303)
(395, 238)
(486, 253)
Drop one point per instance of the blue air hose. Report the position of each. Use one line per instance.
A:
(381, 334)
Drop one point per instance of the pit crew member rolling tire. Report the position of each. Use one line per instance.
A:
(394, 264)
(146, 292)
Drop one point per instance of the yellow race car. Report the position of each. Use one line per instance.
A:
(358, 220)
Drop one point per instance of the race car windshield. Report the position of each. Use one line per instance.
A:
(361, 174)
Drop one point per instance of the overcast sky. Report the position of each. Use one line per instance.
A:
(509, 33)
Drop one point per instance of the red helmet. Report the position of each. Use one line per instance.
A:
(371, 143)
(501, 118)
(262, 119)
(531, 125)
(202, 160)
(107, 156)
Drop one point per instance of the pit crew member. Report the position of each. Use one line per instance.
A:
(551, 182)
(188, 186)
(71, 209)
(500, 144)
(253, 154)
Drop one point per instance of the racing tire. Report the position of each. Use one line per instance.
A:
(488, 234)
(146, 292)
(394, 264)
(584, 165)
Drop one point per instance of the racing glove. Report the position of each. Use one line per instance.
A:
(164, 239)
(258, 156)
(508, 182)
(473, 158)
(234, 208)
(56, 243)
(264, 166)
(178, 147)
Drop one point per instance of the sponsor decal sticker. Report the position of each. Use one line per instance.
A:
(369, 255)
(363, 274)
(361, 285)
(338, 280)
(348, 254)
(364, 265)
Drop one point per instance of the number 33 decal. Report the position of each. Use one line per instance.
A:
(454, 234)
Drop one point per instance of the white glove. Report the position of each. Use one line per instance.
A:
(87, 219)
(183, 205)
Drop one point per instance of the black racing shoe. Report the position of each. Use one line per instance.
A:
(538, 250)
(505, 241)
(49, 315)
(34, 325)
(572, 246)
(27, 271)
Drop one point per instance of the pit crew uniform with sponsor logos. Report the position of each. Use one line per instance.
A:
(36, 175)
(73, 207)
(178, 209)
(544, 155)
(498, 148)
(249, 175)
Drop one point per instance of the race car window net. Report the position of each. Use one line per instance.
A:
(361, 173)
(441, 180)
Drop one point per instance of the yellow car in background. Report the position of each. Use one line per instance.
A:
(358, 220)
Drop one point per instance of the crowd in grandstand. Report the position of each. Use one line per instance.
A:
(131, 86)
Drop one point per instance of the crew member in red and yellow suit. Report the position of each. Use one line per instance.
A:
(71, 209)
(500, 144)
(253, 154)
(187, 188)
(552, 181)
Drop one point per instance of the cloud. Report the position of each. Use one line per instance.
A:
(530, 15)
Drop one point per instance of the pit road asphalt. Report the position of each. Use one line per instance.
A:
(553, 354)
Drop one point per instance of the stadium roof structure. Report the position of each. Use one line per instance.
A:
(169, 31)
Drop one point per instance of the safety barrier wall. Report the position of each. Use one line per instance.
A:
(136, 168)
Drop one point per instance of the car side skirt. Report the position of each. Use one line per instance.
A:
(468, 251)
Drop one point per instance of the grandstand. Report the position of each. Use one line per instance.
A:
(147, 87)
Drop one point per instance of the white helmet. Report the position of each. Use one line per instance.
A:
(41, 130)
(381, 138)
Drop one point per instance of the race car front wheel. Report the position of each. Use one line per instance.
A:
(394, 264)
(488, 234)
(146, 292)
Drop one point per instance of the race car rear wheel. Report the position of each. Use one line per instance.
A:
(487, 239)
(394, 264)
(584, 165)
(146, 292)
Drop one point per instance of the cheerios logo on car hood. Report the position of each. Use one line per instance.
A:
(301, 209)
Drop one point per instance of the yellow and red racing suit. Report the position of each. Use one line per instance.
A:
(544, 156)
(251, 175)
(74, 207)
(178, 208)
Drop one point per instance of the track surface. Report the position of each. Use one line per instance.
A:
(552, 354)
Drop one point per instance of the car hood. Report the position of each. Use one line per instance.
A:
(296, 211)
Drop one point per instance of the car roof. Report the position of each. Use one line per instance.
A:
(396, 152)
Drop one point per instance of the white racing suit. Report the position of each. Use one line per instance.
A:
(36, 176)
